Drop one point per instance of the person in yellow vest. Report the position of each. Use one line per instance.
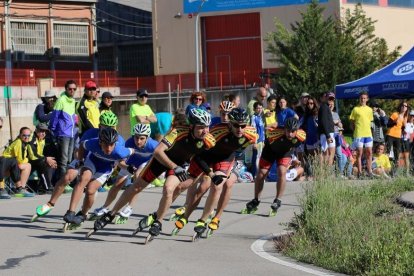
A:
(18, 150)
(88, 108)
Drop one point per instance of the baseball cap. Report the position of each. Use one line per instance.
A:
(141, 92)
(304, 94)
(90, 84)
(330, 95)
(107, 95)
(42, 126)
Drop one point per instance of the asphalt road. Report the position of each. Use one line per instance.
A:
(41, 248)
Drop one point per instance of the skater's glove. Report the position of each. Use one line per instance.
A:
(131, 169)
(181, 173)
(217, 179)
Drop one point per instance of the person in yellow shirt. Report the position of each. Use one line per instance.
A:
(88, 108)
(141, 112)
(381, 163)
(18, 151)
(361, 118)
(269, 114)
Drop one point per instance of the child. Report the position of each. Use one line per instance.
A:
(381, 163)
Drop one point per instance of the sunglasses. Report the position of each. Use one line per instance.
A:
(236, 125)
(72, 89)
(143, 96)
(310, 103)
(1, 126)
(198, 99)
(26, 135)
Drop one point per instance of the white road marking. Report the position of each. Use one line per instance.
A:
(258, 248)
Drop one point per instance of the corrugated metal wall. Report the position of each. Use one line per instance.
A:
(232, 48)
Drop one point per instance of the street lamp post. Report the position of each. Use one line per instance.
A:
(197, 49)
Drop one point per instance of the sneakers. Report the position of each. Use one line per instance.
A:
(126, 212)
(101, 189)
(100, 211)
(23, 193)
(68, 189)
(4, 194)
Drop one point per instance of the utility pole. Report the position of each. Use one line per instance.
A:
(8, 56)
(94, 42)
(197, 46)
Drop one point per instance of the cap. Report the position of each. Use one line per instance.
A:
(330, 95)
(90, 84)
(304, 94)
(42, 126)
(207, 105)
(107, 95)
(412, 112)
(141, 92)
(49, 94)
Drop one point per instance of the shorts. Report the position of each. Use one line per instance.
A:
(324, 142)
(225, 166)
(268, 158)
(74, 164)
(405, 146)
(100, 173)
(153, 169)
(291, 174)
(361, 142)
(124, 172)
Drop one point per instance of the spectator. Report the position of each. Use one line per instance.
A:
(62, 125)
(106, 102)
(381, 163)
(18, 151)
(260, 97)
(197, 100)
(361, 118)
(269, 114)
(310, 126)
(283, 112)
(235, 99)
(378, 125)
(326, 128)
(39, 161)
(396, 123)
(407, 138)
(43, 111)
(88, 108)
(257, 122)
(161, 126)
(141, 112)
(7, 168)
(300, 108)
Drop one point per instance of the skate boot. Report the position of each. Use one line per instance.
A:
(41, 210)
(72, 220)
(145, 223)
(154, 231)
(274, 207)
(178, 213)
(98, 212)
(212, 226)
(251, 206)
(199, 229)
(100, 223)
(179, 224)
(123, 216)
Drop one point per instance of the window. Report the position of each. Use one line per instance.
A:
(73, 40)
(29, 37)
(401, 3)
(369, 2)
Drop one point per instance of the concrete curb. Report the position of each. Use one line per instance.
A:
(407, 199)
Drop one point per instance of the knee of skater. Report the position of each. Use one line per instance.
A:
(168, 191)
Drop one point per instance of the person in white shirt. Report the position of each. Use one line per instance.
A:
(406, 140)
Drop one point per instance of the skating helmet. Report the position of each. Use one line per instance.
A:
(292, 124)
(198, 116)
(239, 115)
(108, 135)
(108, 119)
(226, 106)
(142, 130)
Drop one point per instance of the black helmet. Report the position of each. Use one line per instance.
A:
(108, 135)
(238, 115)
(292, 124)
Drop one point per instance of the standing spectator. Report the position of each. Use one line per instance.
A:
(341, 158)
(141, 112)
(406, 140)
(43, 111)
(283, 112)
(300, 108)
(62, 125)
(257, 122)
(88, 108)
(18, 151)
(260, 97)
(396, 123)
(269, 114)
(3, 169)
(326, 128)
(361, 118)
(377, 126)
(161, 126)
(310, 126)
(197, 100)
(106, 102)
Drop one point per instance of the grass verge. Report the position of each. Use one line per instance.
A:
(353, 228)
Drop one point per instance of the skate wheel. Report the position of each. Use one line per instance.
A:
(173, 217)
(175, 231)
(65, 227)
(272, 213)
(89, 233)
(34, 218)
(149, 238)
(244, 211)
(209, 233)
(196, 237)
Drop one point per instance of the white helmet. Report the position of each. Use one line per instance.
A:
(226, 106)
(199, 116)
(142, 129)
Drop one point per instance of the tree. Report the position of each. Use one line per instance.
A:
(319, 52)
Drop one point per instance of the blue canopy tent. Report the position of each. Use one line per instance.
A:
(394, 81)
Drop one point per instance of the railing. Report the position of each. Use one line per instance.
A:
(128, 85)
